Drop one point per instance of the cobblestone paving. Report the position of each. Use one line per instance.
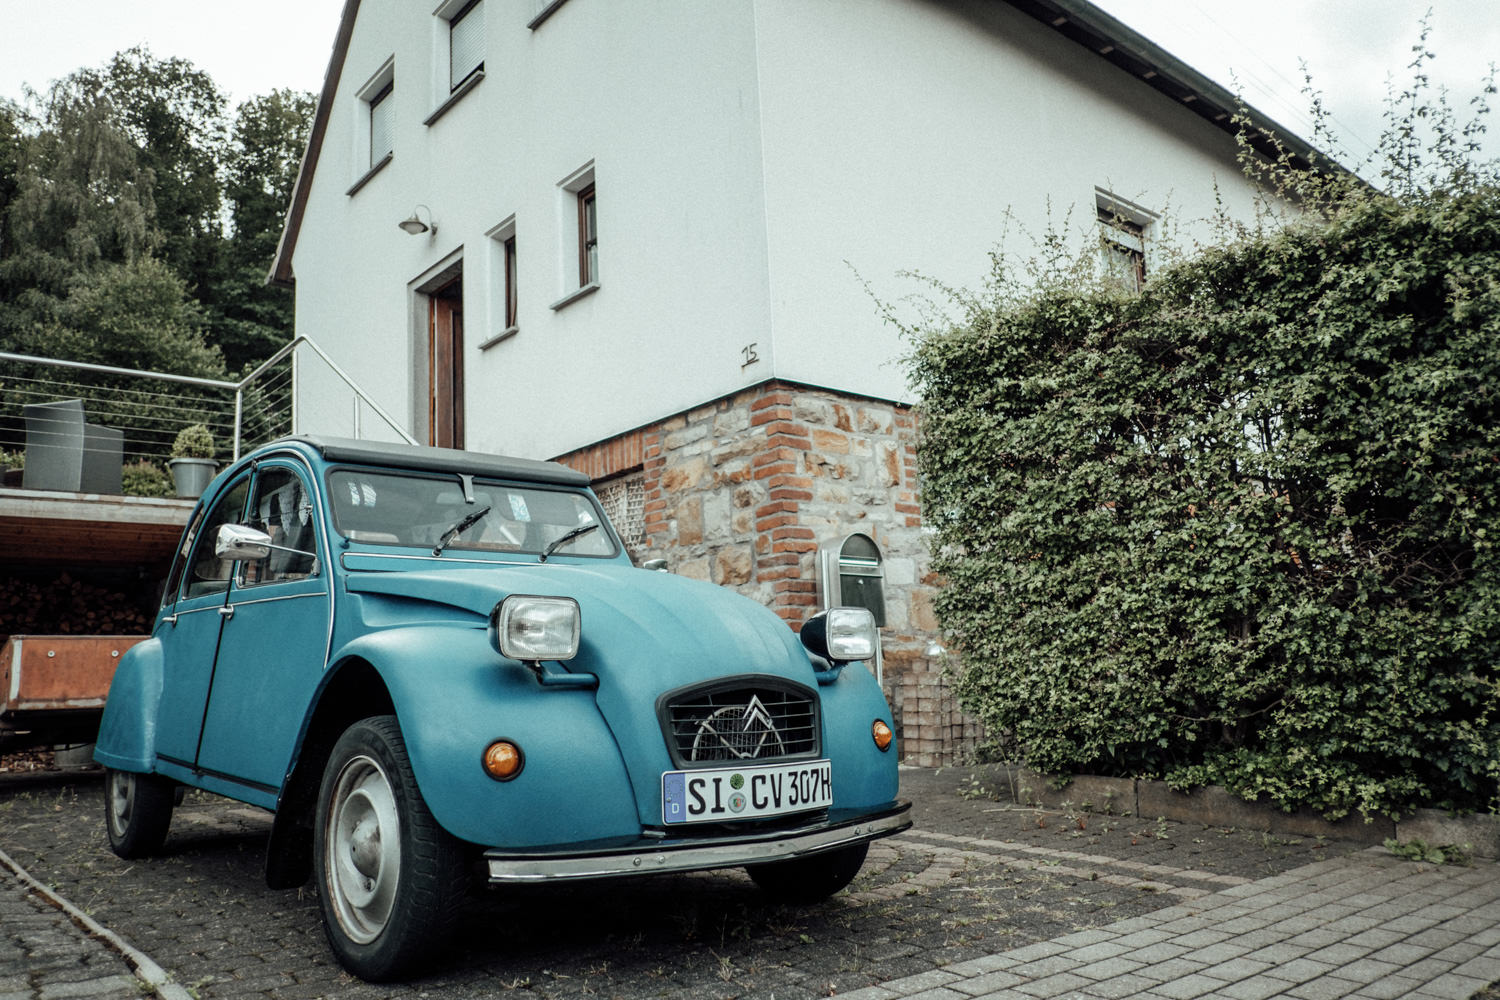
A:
(974, 878)
(43, 955)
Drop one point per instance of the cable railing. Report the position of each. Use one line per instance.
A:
(132, 417)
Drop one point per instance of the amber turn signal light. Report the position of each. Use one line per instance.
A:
(881, 733)
(503, 760)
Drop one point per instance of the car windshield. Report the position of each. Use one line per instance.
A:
(412, 509)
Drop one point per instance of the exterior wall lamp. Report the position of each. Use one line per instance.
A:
(414, 224)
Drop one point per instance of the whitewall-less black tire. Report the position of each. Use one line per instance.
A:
(137, 812)
(810, 879)
(390, 878)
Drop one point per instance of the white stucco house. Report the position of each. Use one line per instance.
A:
(636, 236)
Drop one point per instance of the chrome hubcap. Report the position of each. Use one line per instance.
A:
(121, 799)
(363, 849)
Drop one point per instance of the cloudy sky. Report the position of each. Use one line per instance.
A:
(1354, 48)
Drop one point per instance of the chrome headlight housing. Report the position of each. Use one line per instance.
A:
(841, 634)
(530, 628)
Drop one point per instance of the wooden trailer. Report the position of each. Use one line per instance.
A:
(52, 687)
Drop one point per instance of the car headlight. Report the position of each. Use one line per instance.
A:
(529, 628)
(841, 634)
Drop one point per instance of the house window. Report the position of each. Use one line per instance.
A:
(504, 289)
(382, 124)
(508, 250)
(578, 236)
(588, 238)
(465, 43)
(624, 501)
(1122, 240)
(374, 125)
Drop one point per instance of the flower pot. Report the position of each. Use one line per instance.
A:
(192, 475)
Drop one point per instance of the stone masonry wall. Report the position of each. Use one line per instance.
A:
(741, 491)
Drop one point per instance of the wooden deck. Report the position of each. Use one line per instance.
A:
(42, 527)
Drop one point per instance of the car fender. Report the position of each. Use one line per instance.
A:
(127, 731)
(862, 773)
(573, 787)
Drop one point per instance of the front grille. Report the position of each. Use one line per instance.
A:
(740, 722)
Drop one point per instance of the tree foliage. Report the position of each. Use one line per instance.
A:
(250, 319)
(1240, 529)
(134, 178)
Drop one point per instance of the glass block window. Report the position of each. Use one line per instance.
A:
(624, 501)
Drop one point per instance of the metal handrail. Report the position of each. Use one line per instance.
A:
(281, 355)
(110, 370)
(238, 387)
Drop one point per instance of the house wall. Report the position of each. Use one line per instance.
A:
(918, 135)
(662, 99)
(742, 491)
(758, 162)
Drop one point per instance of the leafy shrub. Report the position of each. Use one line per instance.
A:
(146, 479)
(193, 441)
(1241, 529)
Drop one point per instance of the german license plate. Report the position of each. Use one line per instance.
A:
(726, 794)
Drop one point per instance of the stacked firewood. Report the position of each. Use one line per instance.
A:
(66, 605)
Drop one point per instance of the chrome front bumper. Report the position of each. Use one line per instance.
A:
(509, 868)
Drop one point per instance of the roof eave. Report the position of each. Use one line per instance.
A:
(281, 267)
(1109, 38)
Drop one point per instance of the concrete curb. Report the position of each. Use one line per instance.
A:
(1216, 806)
(146, 970)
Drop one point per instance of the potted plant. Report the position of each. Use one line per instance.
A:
(192, 463)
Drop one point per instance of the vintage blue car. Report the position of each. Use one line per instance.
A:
(438, 665)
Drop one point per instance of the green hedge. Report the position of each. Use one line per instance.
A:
(1241, 529)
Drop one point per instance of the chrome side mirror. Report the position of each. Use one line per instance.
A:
(238, 541)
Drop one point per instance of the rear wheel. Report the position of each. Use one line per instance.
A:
(137, 812)
(391, 879)
(810, 879)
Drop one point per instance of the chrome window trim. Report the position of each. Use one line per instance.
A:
(272, 600)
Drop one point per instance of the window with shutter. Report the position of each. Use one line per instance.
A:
(465, 43)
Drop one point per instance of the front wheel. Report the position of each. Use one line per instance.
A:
(137, 812)
(391, 879)
(810, 879)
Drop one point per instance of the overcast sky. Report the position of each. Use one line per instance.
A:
(1353, 47)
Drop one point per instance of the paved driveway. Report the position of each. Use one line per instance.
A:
(980, 898)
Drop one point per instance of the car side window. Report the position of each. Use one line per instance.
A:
(282, 509)
(180, 560)
(207, 573)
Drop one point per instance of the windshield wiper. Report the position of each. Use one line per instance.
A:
(458, 529)
(565, 538)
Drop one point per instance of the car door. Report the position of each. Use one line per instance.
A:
(274, 643)
(190, 633)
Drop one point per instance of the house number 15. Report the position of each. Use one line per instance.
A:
(748, 354)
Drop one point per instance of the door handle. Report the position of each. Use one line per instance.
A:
(227, 611)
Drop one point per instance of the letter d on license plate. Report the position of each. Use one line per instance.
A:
(726, 794)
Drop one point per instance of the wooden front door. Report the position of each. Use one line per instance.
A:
(445, 364)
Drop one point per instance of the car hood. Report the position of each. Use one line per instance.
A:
(644, 633)
(623, 608)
